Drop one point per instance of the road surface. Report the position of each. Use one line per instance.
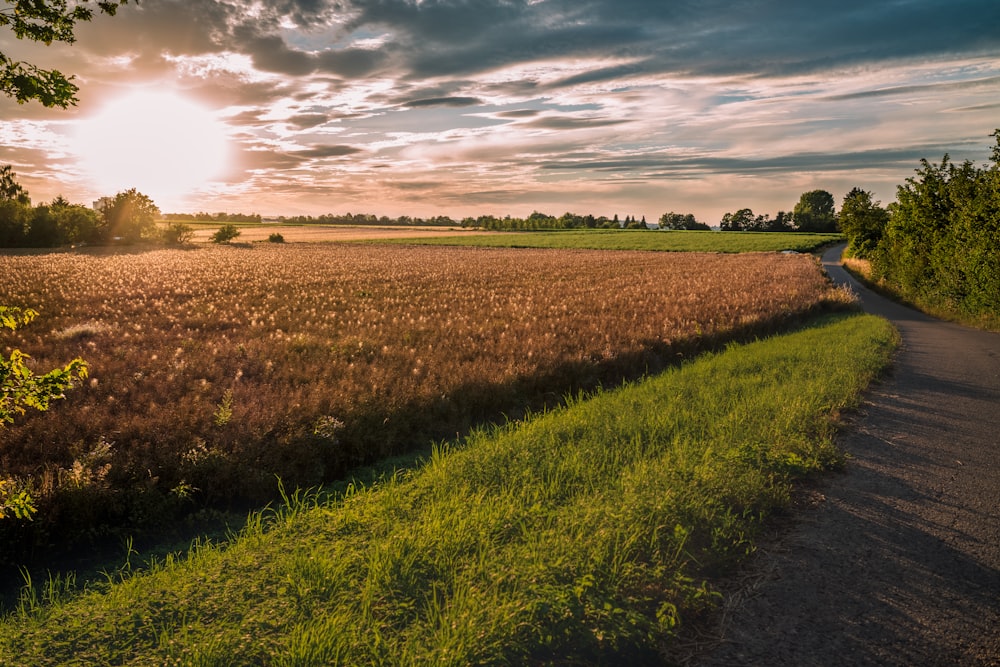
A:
(897, 562)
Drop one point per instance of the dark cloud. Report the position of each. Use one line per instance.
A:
(308, 120)
(518, 113)
(670, 166)
(939, 87)
(438, 38)
(572, 123)
(443, 102)
(328, 151)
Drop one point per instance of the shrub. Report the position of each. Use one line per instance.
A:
(276, 238)
(178, 234)
(225, 234)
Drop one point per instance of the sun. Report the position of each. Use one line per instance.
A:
(160, 143)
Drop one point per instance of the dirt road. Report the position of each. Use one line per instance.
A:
(898, 560)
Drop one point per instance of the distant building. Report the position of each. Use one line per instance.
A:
(103, 203)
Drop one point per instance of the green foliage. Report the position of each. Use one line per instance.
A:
(863, 222)
(20, 388)
(737, 222)
(939, 248)
(815, 212)
(130, 216)
(226, 233)
(587, 535)
(16, 500)
(224, 410)
(44, 21)
(56, 224)
(275, 237)
(681, 221)
(178, 233)
(10, 189)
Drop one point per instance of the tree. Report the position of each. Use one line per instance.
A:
(863, 221)
(740, 221)
(15, 210)
(226, 233)
(781, 223)
(130, 216)
(44, 21)
(681, 221)
(632, 223)
(75, 223)
(815, 212)
(10, 189)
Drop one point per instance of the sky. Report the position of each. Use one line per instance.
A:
(504, 107)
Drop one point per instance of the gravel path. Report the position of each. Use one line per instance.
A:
(897, 560)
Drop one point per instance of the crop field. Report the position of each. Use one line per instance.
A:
(250, 233)
(215, 370)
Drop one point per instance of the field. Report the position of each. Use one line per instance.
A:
(592, 534)
(250, 233)
(216, 370)
(673, 241)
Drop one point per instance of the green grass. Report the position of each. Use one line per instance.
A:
(584, 535)
(676, 241)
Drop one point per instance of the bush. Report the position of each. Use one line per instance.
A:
(276, 238)
(939, 247)
(178, 234)
(225, 234)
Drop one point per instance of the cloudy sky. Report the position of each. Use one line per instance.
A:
(465, 107)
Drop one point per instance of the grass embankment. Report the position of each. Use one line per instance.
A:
(624, 239)
(580, 535)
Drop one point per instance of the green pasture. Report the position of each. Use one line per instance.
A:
(627, 239)
(591, 534)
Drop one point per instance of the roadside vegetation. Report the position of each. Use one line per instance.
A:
(587, 534)
(937, 245)
(675, 241)
(214, 371)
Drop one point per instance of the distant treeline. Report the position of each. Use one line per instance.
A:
(938, 244)
(367, 219)
(541, 221)
(212, 217)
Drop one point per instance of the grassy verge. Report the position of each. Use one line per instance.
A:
(586, 534)
(861, 269)
(674, 241)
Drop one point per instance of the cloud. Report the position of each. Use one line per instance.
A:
(443, 102)
(527, 101)
(322, 152)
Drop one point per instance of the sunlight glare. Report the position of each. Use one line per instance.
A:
(160, 143)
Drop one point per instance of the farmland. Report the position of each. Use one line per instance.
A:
(592, 534)
(628, 239)
(217, 369)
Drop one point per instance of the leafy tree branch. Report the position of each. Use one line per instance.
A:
(44, 21)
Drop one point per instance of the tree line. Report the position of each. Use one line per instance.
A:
(367, 219)
(814, 212)
(938, 244)
(544, 222)
(213, 217)
(128, 217)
